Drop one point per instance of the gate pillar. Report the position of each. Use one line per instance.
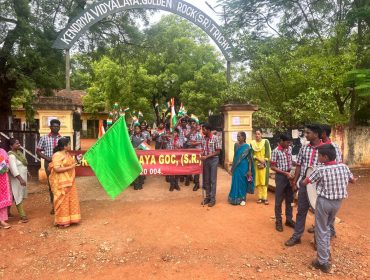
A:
(237, 117)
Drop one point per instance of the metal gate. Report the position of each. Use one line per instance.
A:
(28, 140)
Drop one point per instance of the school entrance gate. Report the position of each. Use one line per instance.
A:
(234, 119)
(98, 11)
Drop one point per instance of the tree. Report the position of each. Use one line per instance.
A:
(174, 61)
(298, 55)
(28, 63)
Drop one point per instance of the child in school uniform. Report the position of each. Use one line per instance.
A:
(331, 180)
(175, 143)
(281, 163)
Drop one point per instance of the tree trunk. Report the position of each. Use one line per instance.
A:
(5, 104)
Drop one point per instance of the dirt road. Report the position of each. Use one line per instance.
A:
(157, 234)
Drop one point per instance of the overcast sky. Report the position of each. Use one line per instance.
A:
(200, 4)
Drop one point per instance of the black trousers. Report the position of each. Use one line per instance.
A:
(46, 166)
(283, 191)
(174, 181)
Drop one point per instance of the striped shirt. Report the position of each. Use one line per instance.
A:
(146, 135)
(137, 139)
(308, 157)
(47, 144)
(282, 158)
(175, 143)
(338, 154)
(210, 145)
(158, 135)
(197, 137)
(331, 180)
(184, 131)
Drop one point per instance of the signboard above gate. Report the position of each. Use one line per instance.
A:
(96, 12)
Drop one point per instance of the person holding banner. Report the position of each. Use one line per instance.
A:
(184, 130)
(136, 140)
(174, 143)
(211, 147)
(195, 142)
(63, 185)
(159, 135)
(242, 170)
(145, 133)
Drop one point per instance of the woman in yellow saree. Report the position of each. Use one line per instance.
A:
(62, 181)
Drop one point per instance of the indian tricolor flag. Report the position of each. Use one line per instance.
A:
(195, 118)
(144, 146)
(182, 110)
(173, 115)
(135, 120)
(101, 129)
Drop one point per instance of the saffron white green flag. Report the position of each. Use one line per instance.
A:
(173, 115)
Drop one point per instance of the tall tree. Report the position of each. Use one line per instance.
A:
(26, 59)
(28, 30)
(297, 48)
(175, 60)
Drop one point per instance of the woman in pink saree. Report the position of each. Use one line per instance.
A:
(5, 194)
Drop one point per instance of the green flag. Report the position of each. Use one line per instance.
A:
(113, 159)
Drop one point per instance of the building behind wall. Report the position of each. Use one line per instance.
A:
(68, 108)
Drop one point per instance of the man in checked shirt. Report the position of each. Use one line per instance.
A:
(325, 138)
(307, 157)
(331, 180)
(281, 163)
(45, 149)
(211, 147)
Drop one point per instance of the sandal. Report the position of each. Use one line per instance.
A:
(266, 202)
(63, 226)
(24, 219)
(259, 201)
(5, 225)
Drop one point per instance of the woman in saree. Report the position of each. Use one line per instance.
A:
(242, 170)
(62, 181)
(261, 155)
(18, 176)
(5, 193)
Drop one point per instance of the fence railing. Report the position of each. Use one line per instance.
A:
(28, 141)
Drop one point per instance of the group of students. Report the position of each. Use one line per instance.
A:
(250, 169)
(186, 134)
(60, 171)
(331, 176)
